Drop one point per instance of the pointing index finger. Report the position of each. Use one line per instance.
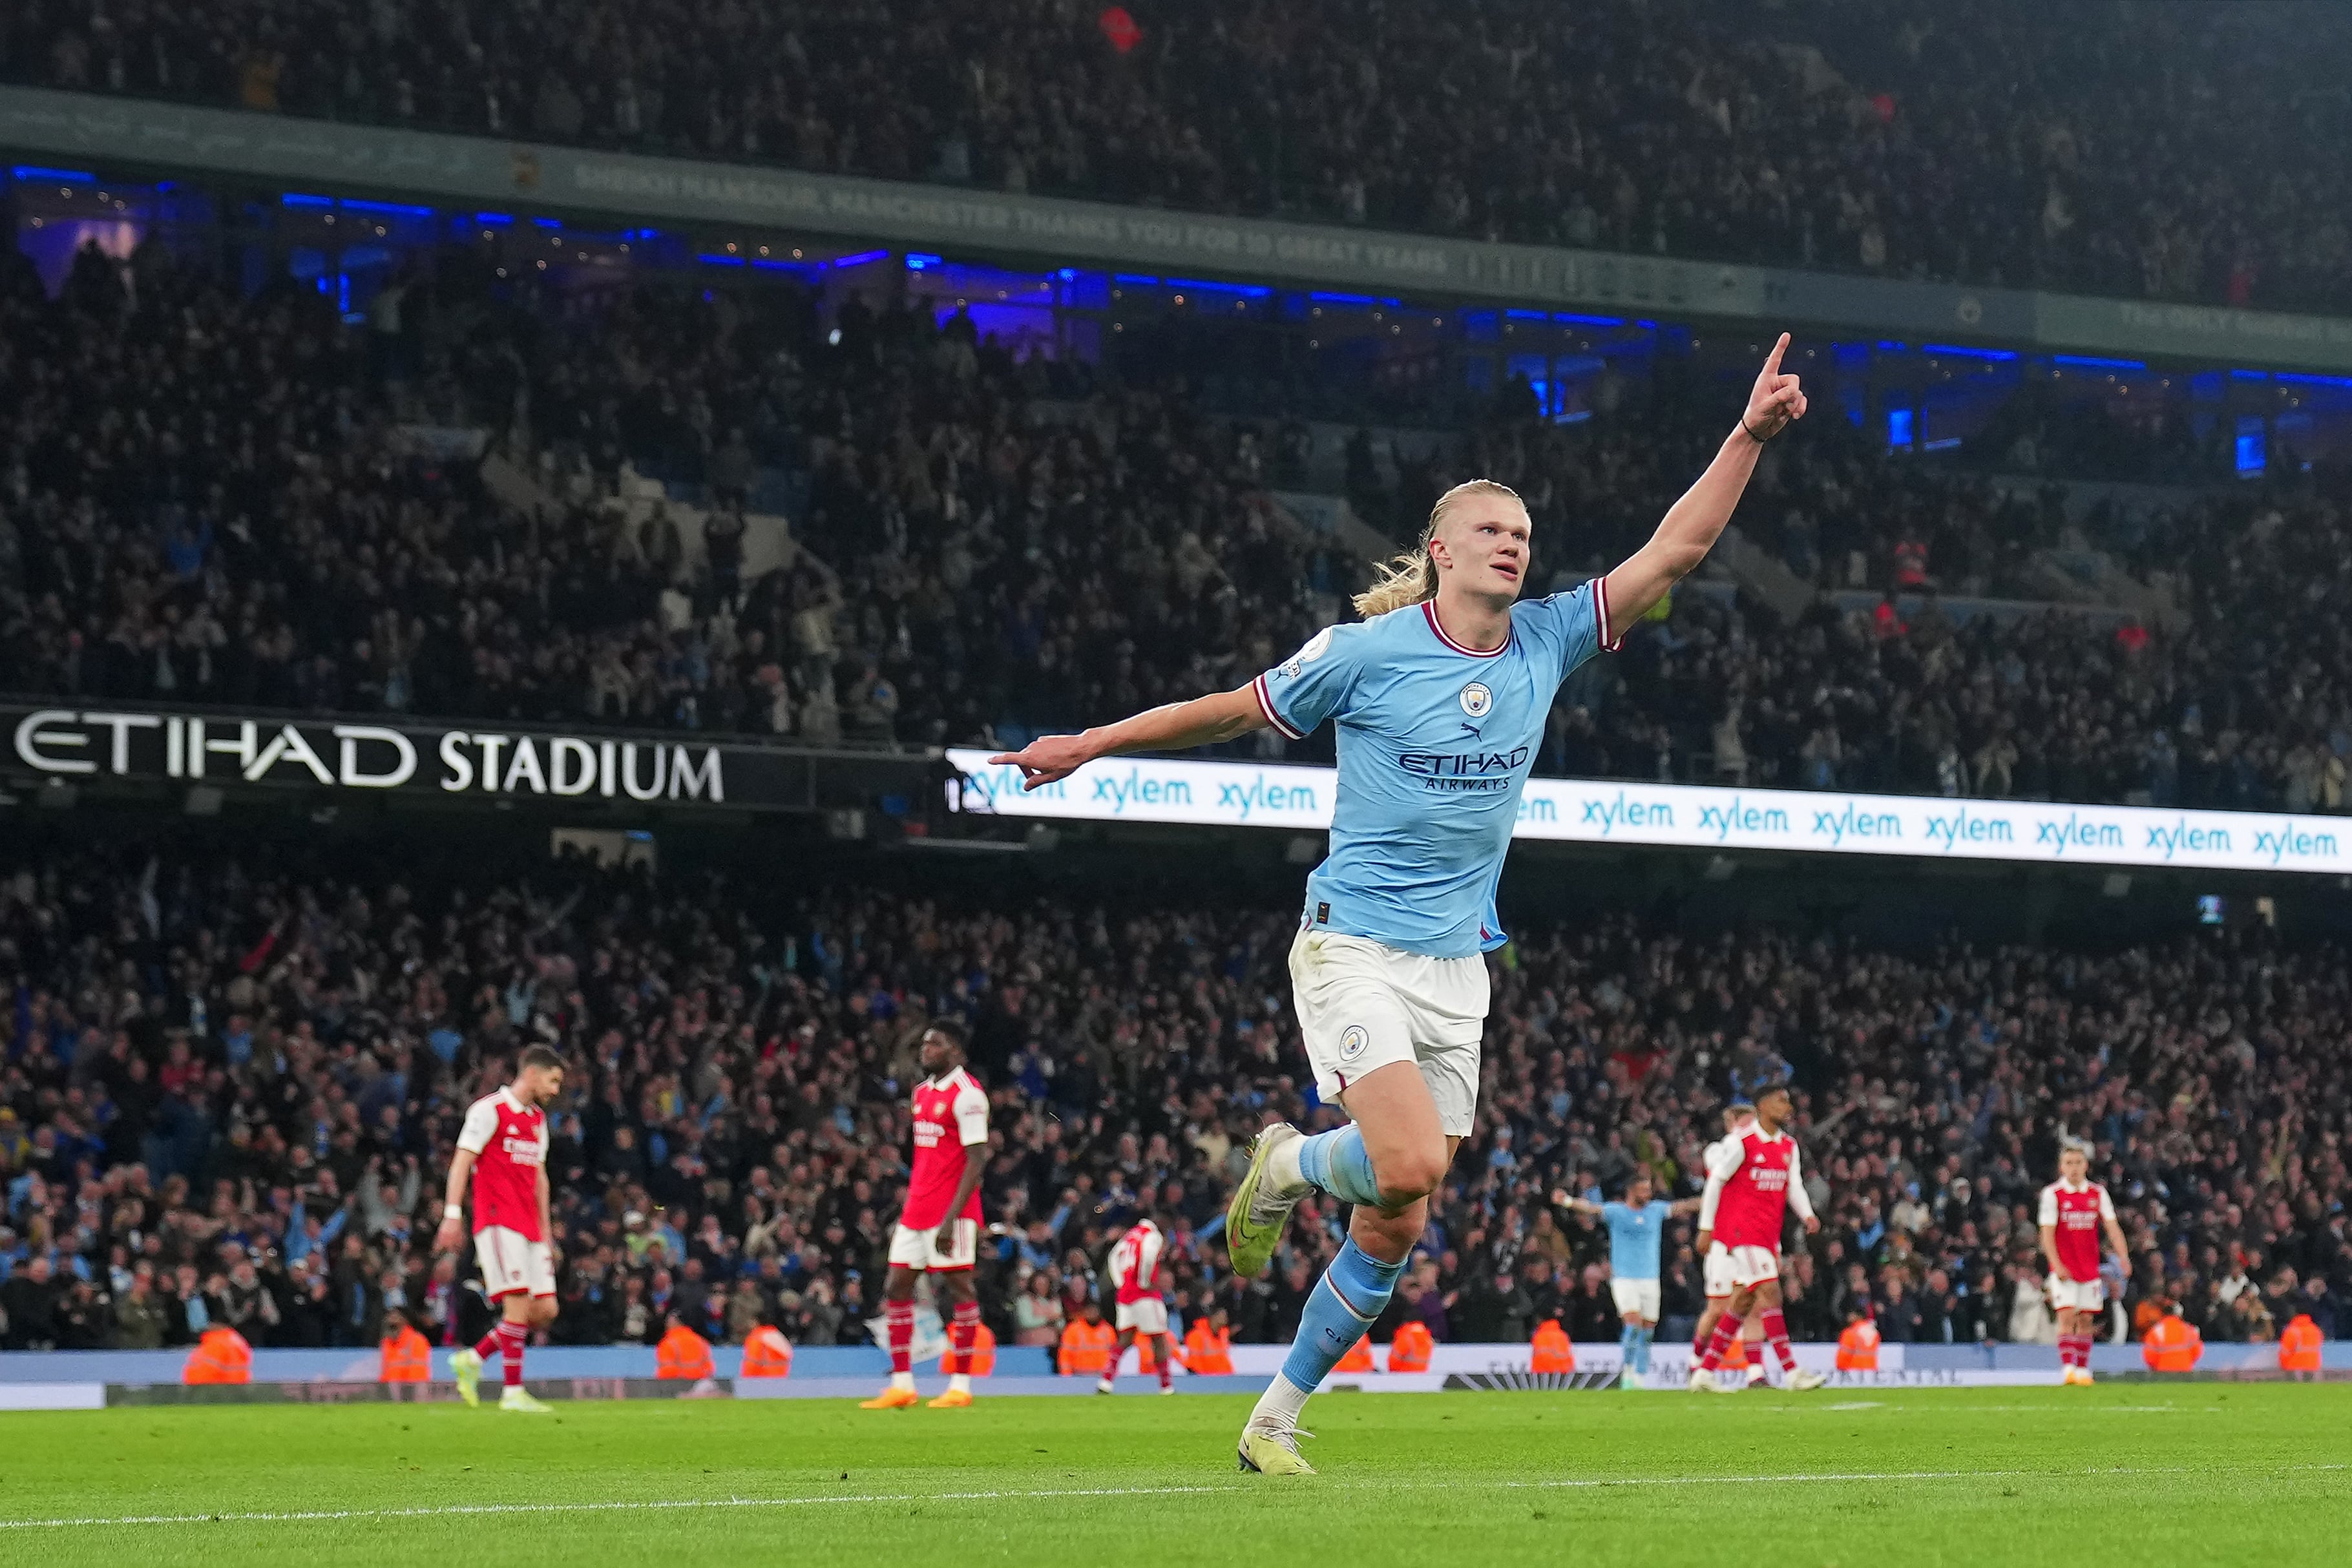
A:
(1772, 360)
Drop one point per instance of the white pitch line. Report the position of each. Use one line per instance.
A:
(452, 1510)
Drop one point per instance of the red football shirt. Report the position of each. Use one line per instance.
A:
(950, 1118)
(1135, 1263)
(1755, 1174)
(508, 1142)
(2074, 1213)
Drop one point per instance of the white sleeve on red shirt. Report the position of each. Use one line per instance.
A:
(2049, 1205)
(2106, 1204)
(1723, 1161)
(481, 1124)
(1798, 1199)
(1147, 1260)
(971, 1114)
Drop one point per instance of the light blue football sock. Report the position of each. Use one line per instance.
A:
(1336, 1162)
(1339, 1310)
(1629, 1347)
(1642, 1351)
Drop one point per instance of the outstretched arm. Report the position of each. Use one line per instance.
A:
(1177, 727)
(1693, 523)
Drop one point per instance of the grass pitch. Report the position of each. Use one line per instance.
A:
(2124, 1474)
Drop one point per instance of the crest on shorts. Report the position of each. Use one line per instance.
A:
(1352, 1041)
(1476, 699)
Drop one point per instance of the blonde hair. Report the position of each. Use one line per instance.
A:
(1410, 578)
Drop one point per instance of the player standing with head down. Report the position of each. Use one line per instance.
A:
(1440, 696)
(2075, 1209)
(939, 1231)
(1142, 1310)
(1715, 1263)
(502, 1149)
(1752, 1182)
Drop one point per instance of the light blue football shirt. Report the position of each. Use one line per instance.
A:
(1634, 1238)
(1435, 741)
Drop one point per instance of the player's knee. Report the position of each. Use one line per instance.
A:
(1411, 1174)
(542, 1311)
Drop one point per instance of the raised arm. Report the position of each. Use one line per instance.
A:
(1176, 726)
(1693, 524)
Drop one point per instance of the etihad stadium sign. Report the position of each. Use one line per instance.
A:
(465, 761)
(1580, 810)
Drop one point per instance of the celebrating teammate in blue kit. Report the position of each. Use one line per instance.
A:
(1637, 1228)
(1440, 695)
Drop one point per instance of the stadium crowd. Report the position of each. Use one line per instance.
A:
(202, 500)
(229, 1088)
(2173, 151)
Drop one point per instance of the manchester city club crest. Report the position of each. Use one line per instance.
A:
(1476, 699)
(1352, 1041)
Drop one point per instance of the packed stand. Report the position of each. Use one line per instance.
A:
(994, 548)
(228, 1091)
(207, 502)
(2164, 151)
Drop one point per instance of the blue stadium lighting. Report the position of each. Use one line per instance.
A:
(1322, 298)
(293, 200)
(1204, 286)
(917, 262)
(860, 260)
(2090, 363)
(399, 209)
(60, 176)
(1898, 427)
(2252, 448)
(1517, 315)
(547, 223)
(1960, 352)
(1067, 274)
(1135, 277)
(1647, 325)
(1890, 346)
(2300, 379)
(496, 220)
(1572, 318)
(708, 259)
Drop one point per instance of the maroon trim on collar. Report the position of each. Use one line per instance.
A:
(1429, 613)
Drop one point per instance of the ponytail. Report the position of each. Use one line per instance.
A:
(1410, 578)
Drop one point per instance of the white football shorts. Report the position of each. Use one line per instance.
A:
(512, 1266)
(1740, 1266)
(2077, 1295)
(1635, 1299)
(913, 1248)
(1363, 1005)
(1145, 1315)
(1716, 1267)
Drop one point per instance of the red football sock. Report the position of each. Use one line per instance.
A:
(1776, 1328)
(1718, 1345)
(489, 1343)
(1698, 1344)
(963, 1333)
(1164, 1347)
(900, 1316)
(511, 1338)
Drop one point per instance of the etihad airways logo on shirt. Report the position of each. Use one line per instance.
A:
(1465, 764)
